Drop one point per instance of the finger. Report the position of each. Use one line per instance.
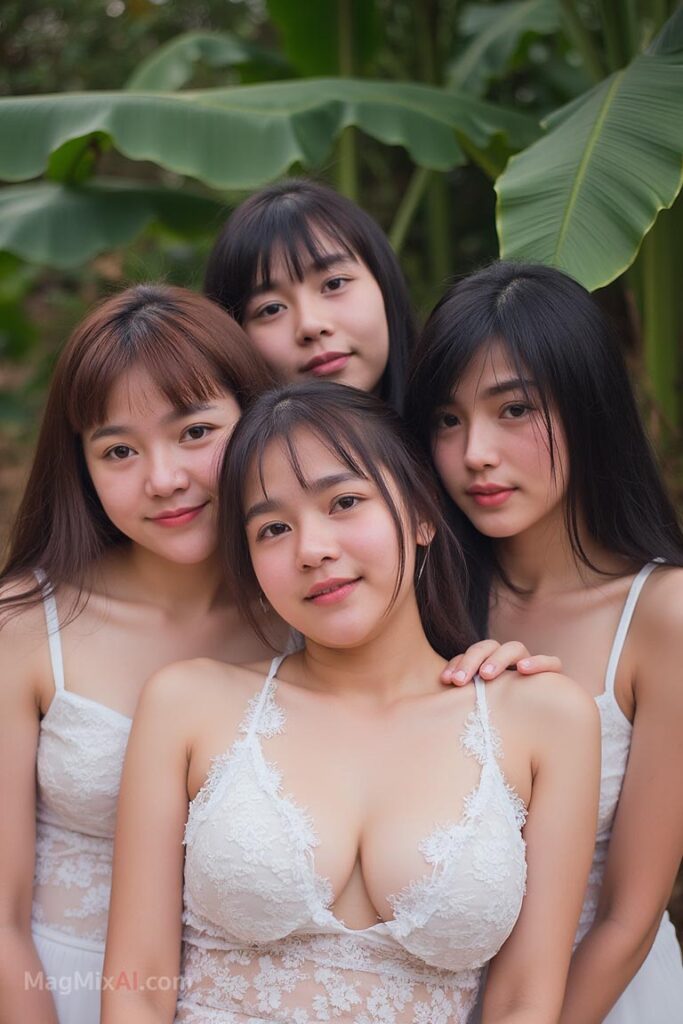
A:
(505, 655)
(539, 663)
(463, 667)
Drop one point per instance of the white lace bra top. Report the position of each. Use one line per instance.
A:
(261, 942)
(616, 742)
(81, 746)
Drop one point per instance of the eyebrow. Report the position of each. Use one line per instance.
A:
(320, 263)
(513, 384)
(117, 430)
(324, 483)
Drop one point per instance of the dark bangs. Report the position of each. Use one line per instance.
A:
(367, 437)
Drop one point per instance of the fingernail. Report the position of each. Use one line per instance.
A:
(487, 669)
(525, 663)
(461, 676)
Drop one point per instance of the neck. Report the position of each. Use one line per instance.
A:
(136, 574)
(395, 663)
(541, 560)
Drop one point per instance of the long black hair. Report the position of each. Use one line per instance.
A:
(555, 333)
(287, 218)
(369, 437)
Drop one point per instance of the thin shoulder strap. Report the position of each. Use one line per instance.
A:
(625, 622)
(53, 635)
(482, 707)
(259, 705)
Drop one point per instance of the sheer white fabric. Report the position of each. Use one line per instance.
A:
(655, 994)
(260, 942)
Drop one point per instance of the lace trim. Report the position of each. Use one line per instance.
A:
(271, 719)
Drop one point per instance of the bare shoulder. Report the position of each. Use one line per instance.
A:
(546, 701)
(25, 667)
(189, 688)
(660, 607)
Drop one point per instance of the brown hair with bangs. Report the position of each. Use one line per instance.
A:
(190, 348)
(368, 437)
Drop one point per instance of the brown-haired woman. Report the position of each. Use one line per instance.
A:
(113, 549)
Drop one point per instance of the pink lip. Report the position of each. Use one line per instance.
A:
(178, 516)
(490, 495)
(331, 591)
(327, 363)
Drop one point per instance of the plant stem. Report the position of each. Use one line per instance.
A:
(347, 178)
(412, 197)
(620, 32)
(583, 40)
(660, 257)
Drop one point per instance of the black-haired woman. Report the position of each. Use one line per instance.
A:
(522, 396)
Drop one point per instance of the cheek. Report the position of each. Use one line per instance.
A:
(448, 460)
(272, 343)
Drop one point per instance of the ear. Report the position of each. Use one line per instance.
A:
(424, 534)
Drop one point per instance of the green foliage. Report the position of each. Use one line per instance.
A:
(583, 197)
(494, 34)
(310, 33)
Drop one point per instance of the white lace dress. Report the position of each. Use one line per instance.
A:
(655, 995)
(81, 747)
(261, 944)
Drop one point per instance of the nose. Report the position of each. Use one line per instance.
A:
(480, 449)
(317, 543)
(166, 475)
(313, 322)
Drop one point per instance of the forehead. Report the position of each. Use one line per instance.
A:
(288, 464)
(135, 393)
(292, 258)
(489, 367)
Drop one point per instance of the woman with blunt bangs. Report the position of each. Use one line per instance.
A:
(521, 394)
(318, 289)
(111, 574)
(353, 850)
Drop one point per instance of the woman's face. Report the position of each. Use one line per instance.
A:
(331, 325)
(492, 452)
(154, 467)
(326, 554)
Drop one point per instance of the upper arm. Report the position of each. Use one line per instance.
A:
(532, 966)
(647, 837)
(20, 665)
(143, 938)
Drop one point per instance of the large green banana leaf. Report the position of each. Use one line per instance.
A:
(582, 197)
(64, 226)
(244, 136)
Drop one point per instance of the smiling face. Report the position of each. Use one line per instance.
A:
(154, 467)
(325, 551)
(331, 324)
(492, 451)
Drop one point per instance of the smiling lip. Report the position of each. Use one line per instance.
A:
(326, 363)
(178, 516)
(490, 495)
(331, 591)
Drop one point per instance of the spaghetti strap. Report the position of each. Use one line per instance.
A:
(259, 702)
(625, 622)
(53, 635)
(483, 712)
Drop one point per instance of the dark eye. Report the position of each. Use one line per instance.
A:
(273, 530)
(444, 420)
(197, 432)
(119, 452)
(269, 310)
(516, 410)
(346, 501)
(335, 283)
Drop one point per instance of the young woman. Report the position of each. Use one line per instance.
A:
(113, 551)
(111, 575)
(315, 284)
(525, 402)
(353, 851)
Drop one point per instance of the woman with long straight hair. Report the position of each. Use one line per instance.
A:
(313, 281)
(520, 393)
(110, 576)
(355, 849)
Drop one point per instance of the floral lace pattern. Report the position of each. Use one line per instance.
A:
(260, 941)
(80, 757)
